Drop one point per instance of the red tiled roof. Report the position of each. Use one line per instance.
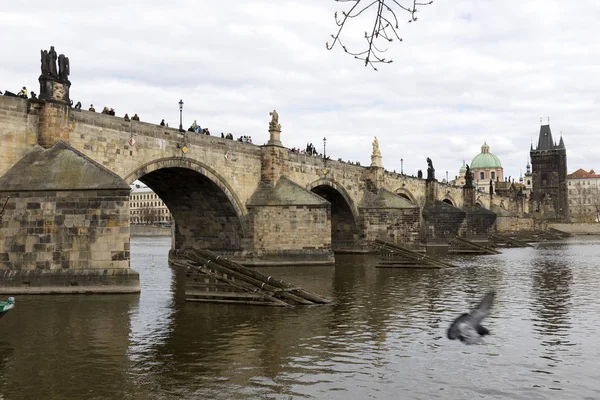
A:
(581, 173)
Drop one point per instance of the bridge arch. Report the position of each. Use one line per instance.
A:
(405, 193)
(480, 202)
(344, 213)
(178, 162)
(206, 210)
(448, 199)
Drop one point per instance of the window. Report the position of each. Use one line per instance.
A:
(482, 175)
(493, 175)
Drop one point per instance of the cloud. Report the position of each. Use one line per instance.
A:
(465, 73)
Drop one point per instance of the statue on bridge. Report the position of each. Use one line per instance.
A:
(430, 170)
(52, 62)
(54, 80)
(45, 62)
(48, 64)
(63, 67)
(376, 151)
(274, 125)
(468, 177)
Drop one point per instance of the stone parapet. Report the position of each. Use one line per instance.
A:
(18, 130)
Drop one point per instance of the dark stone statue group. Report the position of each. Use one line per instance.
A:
(49, 59)
(431, 174)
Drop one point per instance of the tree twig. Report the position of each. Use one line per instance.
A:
(385, 26)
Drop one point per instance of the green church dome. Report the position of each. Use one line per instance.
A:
(485, 159)
(463, 168)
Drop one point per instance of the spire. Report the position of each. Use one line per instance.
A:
(561, 144)
(545, 141)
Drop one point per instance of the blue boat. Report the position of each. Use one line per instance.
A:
(6, 306)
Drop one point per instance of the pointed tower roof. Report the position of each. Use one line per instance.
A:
(545, 141)
(561, 144)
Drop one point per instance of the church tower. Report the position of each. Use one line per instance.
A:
(549, 176)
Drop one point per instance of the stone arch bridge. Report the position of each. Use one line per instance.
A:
(67, 173)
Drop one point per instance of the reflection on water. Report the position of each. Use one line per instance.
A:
(382, 337)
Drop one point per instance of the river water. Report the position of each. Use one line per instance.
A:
(383, 337)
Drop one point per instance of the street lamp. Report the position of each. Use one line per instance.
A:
(324, 147)
(180, 115)
(446, 176)
(402, 166)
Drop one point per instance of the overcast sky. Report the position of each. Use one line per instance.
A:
(468, 71)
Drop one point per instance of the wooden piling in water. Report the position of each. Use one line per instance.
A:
(480, 249)
(397, 256)
(227, 281)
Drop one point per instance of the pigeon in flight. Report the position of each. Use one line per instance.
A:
(467, 328)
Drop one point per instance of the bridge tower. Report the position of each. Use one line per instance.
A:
(549, 164)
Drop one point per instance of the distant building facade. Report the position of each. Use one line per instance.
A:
(146, 208)
(549, 177)
(584, 196)
(527, 180)
(485, 167)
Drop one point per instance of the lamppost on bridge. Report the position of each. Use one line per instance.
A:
(325, 148)
(402, 166)
(180, 115)
(446, 176)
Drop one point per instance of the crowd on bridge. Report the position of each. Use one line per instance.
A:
(195, 127)
(312, 151)
(23, 93)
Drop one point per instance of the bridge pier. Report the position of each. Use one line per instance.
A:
(65, 228)
(383, 214)
(287, 224)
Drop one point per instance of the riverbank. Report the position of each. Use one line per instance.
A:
(578, 228)
(149, 230)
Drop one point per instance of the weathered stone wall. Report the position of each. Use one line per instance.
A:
(54, 122)
(18, 130)
(105, 138)
(509, 224)
(291, 230)
(578, 228)
(390, 225)
(442, 222)
(66, 241)
(66, 230)
(479, 223)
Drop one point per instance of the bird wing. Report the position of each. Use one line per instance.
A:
(483, 309)
(460, 324)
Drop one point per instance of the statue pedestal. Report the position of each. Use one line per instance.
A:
(51, 89)
(274, 137)
(54, 112)
(376, 160)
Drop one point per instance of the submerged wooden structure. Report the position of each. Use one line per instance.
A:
(212, 278)
(460, 245)
(507, 241)
(393, 255)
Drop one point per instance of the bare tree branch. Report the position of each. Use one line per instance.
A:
(385, 26)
